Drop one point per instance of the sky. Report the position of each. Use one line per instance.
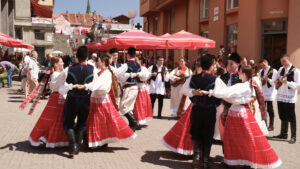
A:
(106, 8)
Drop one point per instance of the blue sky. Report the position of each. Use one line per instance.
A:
(105, 8)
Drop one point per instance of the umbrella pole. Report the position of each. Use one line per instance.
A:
(167, 54)
(181, 52)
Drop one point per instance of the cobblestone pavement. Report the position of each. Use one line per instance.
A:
(146, 151)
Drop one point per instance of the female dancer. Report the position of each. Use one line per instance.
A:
(49, 127)
(244, 142)
(104, 124)
(142, 110)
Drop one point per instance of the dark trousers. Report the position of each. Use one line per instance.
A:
(270, 111)
(160, 102)
(203, 121)
(287, 114)
(76, 106)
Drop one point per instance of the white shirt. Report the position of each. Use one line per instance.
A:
(269, 93)
(284, 94)
(34, 68)
(158, 86)
(92, 63)
(122, 74)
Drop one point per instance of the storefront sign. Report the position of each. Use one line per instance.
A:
(276, 12)
(42, 20)
(216, 18)
(216, 10)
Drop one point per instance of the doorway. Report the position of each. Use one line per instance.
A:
(41, 53)
(274, 41)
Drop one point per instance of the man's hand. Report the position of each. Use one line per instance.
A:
(265, 78)
(134, 75)
(200, 92)
(154, 74)
(81, 87)
(282, 80)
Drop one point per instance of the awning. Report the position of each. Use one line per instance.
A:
(40, 10)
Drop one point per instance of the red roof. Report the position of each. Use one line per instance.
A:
(40, 10)
(79, 19)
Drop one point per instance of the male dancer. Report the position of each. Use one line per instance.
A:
(128, 74)
(77, 104)
(289, 78)
(157, 90)
(268, 76)
(115, 56)
(203, 114)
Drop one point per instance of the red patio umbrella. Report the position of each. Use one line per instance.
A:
(12, 42)
(97, 46)
(135, 38)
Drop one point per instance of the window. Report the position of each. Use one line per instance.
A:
(232, 34)
(19, 33)
(173, 20)
(146, 26)
(204, 9)
(231, 4)
(39, 35)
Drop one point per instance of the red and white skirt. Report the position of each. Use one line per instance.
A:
(105, 125)
(49, 128)
(178, 139)
(142, 110)
(244, 142)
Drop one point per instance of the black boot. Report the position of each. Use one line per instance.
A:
(73, 147)
(283, 131)
(205, 163)
(133, 124)
(206, 153)
(271, 125)
(293, 132)
(197, 154)
(79, 137)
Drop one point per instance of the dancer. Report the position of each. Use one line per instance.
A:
(128, 74)
(177, 77)
(78, 100)
(49, 127)
(244, 142)
(114, 56)
(142, 110)
(268, 76)
(104, 123)
(157, 90)
(287, 84)
(178, 138)
(203, 115)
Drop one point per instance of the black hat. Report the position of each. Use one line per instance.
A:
(235, 57)
(82, 53)
(113, 50)
(132, 52)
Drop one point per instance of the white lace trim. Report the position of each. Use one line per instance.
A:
(177, 150)
(253, 165)
(110, 140)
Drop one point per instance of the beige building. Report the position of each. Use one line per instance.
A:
(48, 3)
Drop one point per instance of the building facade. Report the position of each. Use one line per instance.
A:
(254, 28)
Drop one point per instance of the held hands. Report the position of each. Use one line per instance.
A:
(200, 92)
(78, 86)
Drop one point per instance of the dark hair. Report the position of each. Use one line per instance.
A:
(159, 57)
(103, 58)
(284, 55)
(255, 69)
(184, 58)
(54, 59)
(142, 59)
(247, 70)
(113, 50)
(132, 52)
(263, 60)
(207, 61)
(82, 53)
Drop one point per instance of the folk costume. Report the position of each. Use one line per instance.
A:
(77, 103)
(286, 99)
(270, 92)
(49, 128)
(157, 87)
(142, 110)
(244, 142)
(176, 85)
(104, 123)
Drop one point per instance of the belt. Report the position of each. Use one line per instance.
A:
(205, 105)
(79, 92)
(129, 85)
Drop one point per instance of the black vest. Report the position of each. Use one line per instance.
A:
(204, 82)
(290, 77)
(133, 67)
(155, 70)
(234, 79)
(269, 76)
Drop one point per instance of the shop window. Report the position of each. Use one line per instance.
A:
(204, 9)
(19, 33)
(39, 35)
(231, 4)
(232, 34)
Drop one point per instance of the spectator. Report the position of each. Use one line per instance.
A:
(48, 61)
(92, 61)
(9, 67)
(32, 73)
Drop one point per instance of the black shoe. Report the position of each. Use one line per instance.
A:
(205, 163)
(271, 128)
(104, 146)
(133, 124)
(159, 117)
(79, 137)
(293, 140)
(281, 136)
(73, 147)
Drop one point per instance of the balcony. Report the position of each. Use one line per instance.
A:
(147, 7)
(164, 4)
